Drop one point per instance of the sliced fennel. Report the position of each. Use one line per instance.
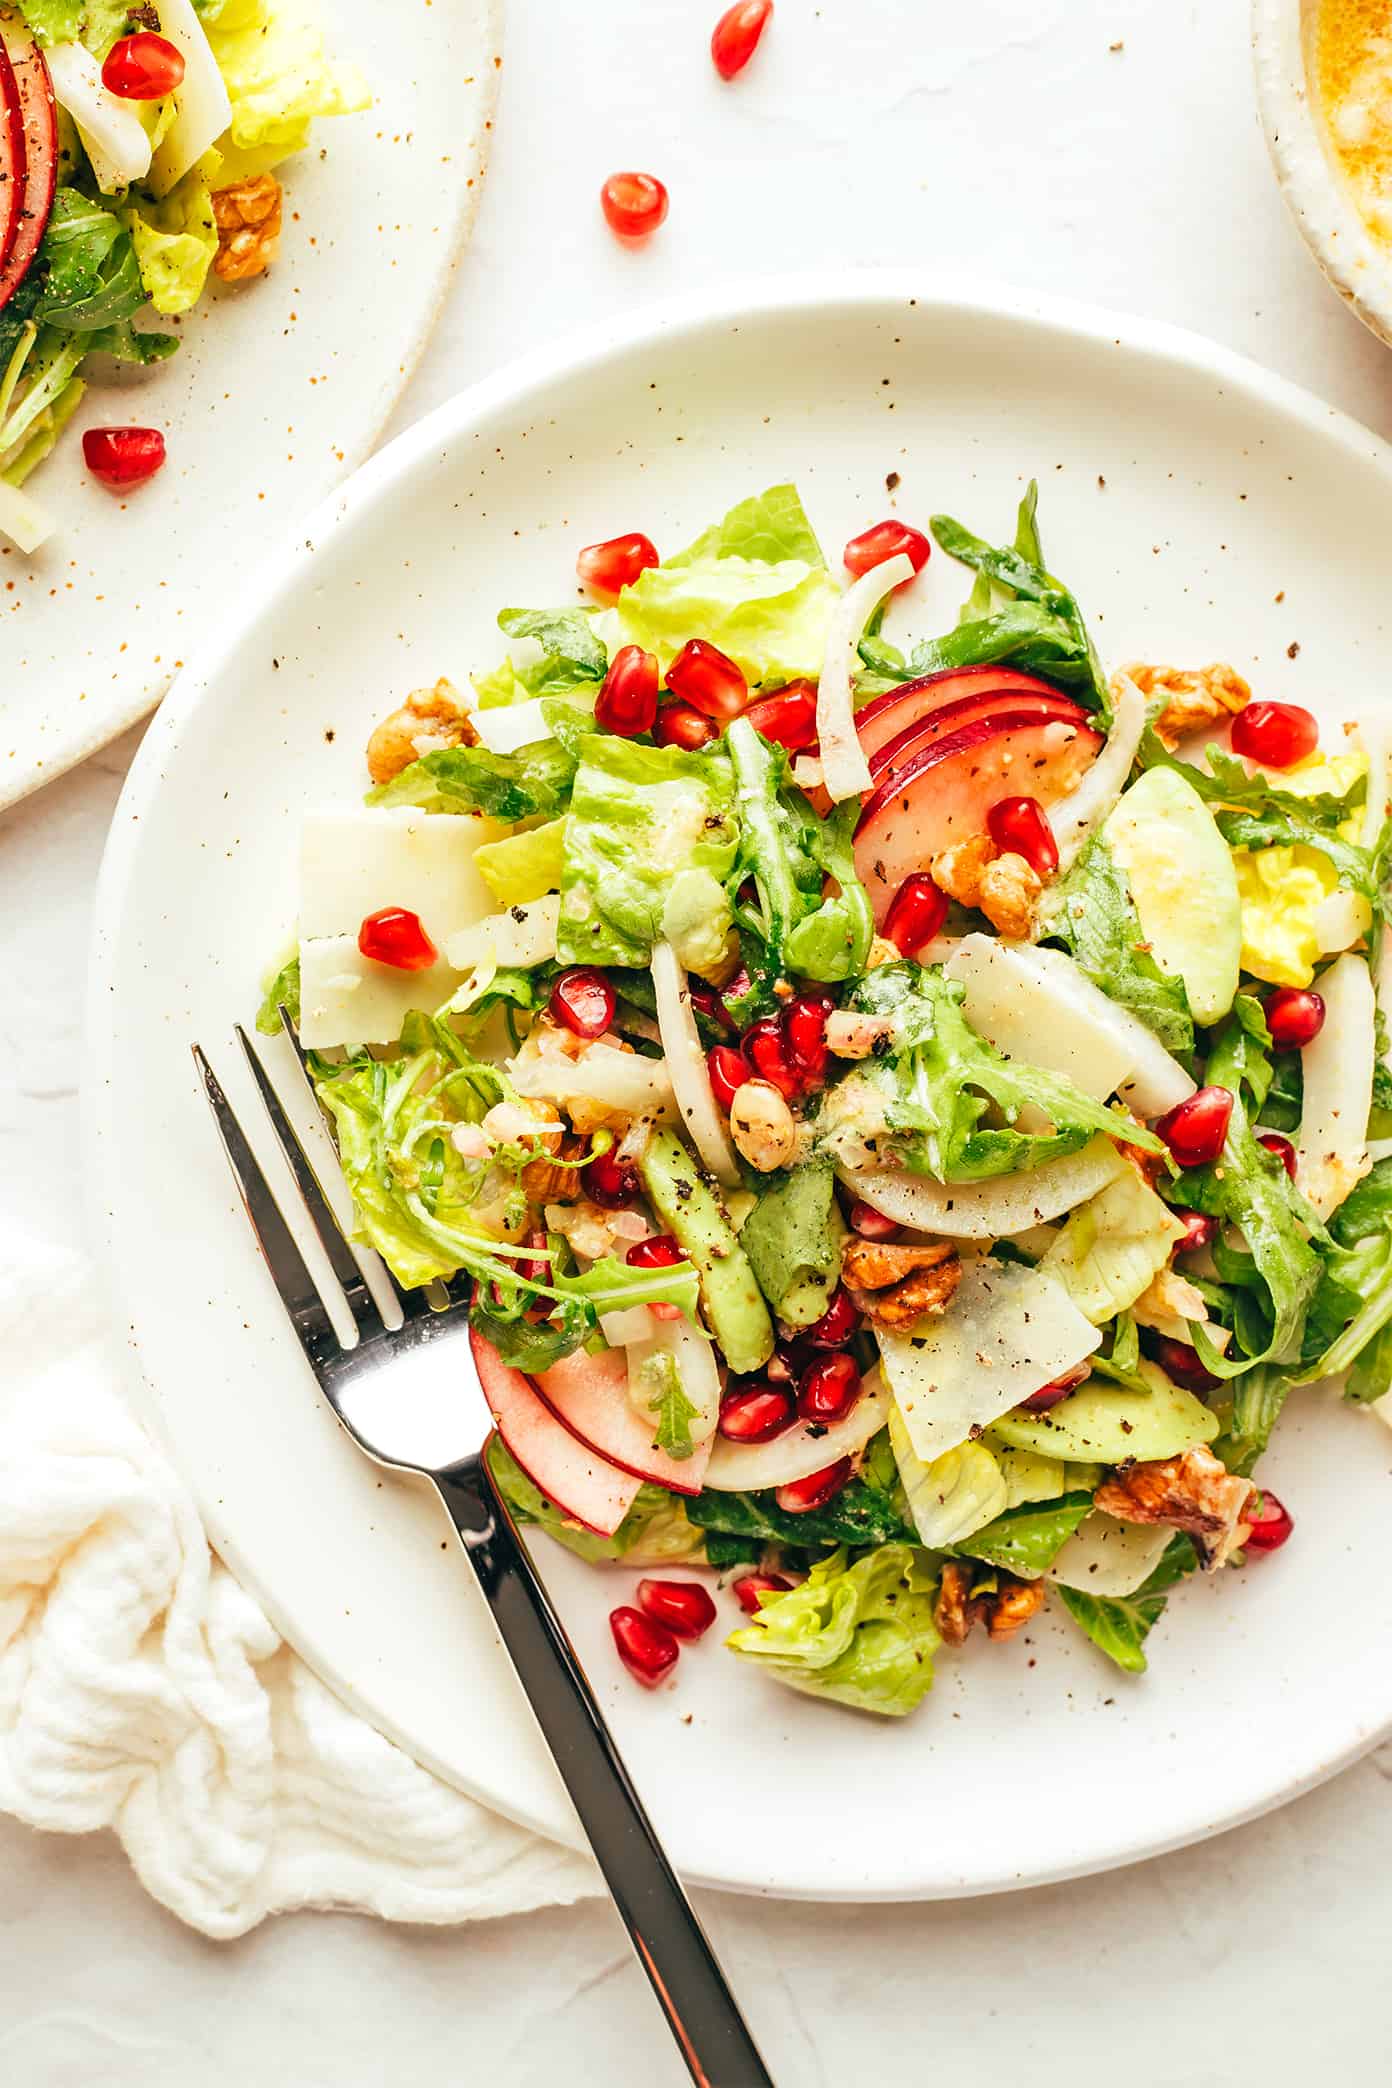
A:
(116, 141)
(845, 770)
(1332, 1152)
(1102, 1424)
(686, 1064)
(1074, 817)
(990, 1210)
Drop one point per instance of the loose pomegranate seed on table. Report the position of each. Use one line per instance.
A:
(145, 67)
(1281, 1147)
(583, 1001)
(679, 725)
(1271, 1522)
(627, 700)
(801, 1496)
(610, 567)
(685, 1607)
(735, 37)
(1180, 1362)
(729, 1069)
(870, 1223)
(750, 1586)
(646, 1648)
(394, 935)
(1199, 1230)
(705, 677)
(610, 1182)
(916, 913)
(788, 717)
(756, 1414)
(1194, 1130)
(886, 540)
(836, 1325)
(1049, 1395)
(830, 1388)
(634, 204)
(122, 457)
(1294, 1016)
(1275, 734)
(1020, 826)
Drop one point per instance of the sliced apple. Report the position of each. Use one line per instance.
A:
(897, 754)
(751, 1467)
(11, 154)
(883, 719)
(40, 136)
(589, 1396)
(945, 792)
(580, 1483)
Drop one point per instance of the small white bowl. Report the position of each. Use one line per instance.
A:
(1356, 263)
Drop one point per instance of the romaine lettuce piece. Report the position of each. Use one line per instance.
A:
(280, 78)
(1112, 1246)
(525, 866)
(861, 1634)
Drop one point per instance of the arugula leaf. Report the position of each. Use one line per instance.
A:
(775, 839)
(525, 1344)
(723, 1550)
(1122, 1364)
(91, 278)
(1257, 1400)
(865, 1512)
(660, 1390)
(536, 780)
(1028, 1538)
(1226, 781)
(1094, 915)
(1119, 1625)
(1366, 1212)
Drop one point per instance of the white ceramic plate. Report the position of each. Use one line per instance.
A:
(1202, 509)
(279, 390)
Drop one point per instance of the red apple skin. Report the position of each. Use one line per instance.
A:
(944, 795)
(899, 753)
(589, 1397)
(40, 128)
(885, 717)
(584, 1485)
(12, 154)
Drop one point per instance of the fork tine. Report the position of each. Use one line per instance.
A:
(283, 1258)
(341, 1258)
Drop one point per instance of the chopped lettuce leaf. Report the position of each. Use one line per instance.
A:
(870, 1510)
(279, 76)
(523, 867)
(860, 1634)
(281, 990)
(54, 21)
(770, 526)
(956, 1493)
(175, 242)
(654, 1531)
(1112, 1246)
(1025, 1540)
(534, 781)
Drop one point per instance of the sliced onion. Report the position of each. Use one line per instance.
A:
(1156, 1082)
(845, 770)
(117, 142)
(748, 1467)
(990, 1210)
(202, 107)
(1074, 817)
(686, 1063)
(22, 520)
(618, 1080)
(1338, 1087)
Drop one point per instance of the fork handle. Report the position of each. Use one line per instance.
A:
(671, 1945)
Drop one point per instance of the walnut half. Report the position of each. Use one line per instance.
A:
(1003, 1610)
(896, 1284)
(1194, 696)
(1193, 1493)
(247, 216)
(428, 720)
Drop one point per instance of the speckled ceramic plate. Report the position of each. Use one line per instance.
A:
(1202, 510)
(279, 390)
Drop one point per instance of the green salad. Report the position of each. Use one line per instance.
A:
(905, 1117)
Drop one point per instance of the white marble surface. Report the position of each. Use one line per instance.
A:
(1011, 138)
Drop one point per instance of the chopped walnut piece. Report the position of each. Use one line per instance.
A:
(427, 720)
(247, 216)
(1192, 1492)
(955, 1612)
(896, 1283)
(544, 1181)
(958, 870)
(1012, 1606)
(1010, 888)
(1003, 1610)
(1196, 696)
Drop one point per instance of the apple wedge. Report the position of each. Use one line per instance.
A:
(898, 753)
(12, 155)
(39, 136)
(589, 1396)
(943, 794)
(580, 1483)
(886, 717)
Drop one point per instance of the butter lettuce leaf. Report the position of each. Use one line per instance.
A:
(655, 1529)
(770, 526)
(175, 242)
(536, 780)
(279, 77)
(862, 1634)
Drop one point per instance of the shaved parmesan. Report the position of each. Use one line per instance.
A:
(22, 520)
(355, 859)
(748, 1467)
(202, 106)
(845, 770)
(1338, 1078)
(347, 999)
(1041, 1016)
(512, 725)
(686, 1063)
(617, 1080)
(520, 936)
(1108, 1558)
(1008, 1332)
(116, 141)
(1156, 1081)
(990, 1210)
(1073, 818)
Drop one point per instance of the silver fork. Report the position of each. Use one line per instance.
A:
(391, 1395)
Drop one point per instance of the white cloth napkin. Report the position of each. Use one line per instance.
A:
(142, 1689)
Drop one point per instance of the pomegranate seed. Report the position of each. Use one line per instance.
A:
(610, 1182)
(804, 1023)
(634, 204)
(145, 67)
(750, 1586)
(829, 1389)
(766, 1044)
(708, 1002)
(1199, 1230)
(916, 913)
(886, 540)
(1271, 1522)
(394, 935)
(627, 701)
(800, 1496)
(788, 717)
(678, 725)
(786, 1365)
(647, 1649)
(1275, 734)
(685, 1607)
(1180, 1362)
(870, 1223)
(836, 1325)
(1295, 1017)
(660, 1252)
(735, 37)
(729, 1069)
(704, 677)
(756, 1415)
(1020, 826)
(1194, 1130)
(610, 567)
(1281, 1147)
(122, 457)
(583, 1000)
(1049, 1395)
